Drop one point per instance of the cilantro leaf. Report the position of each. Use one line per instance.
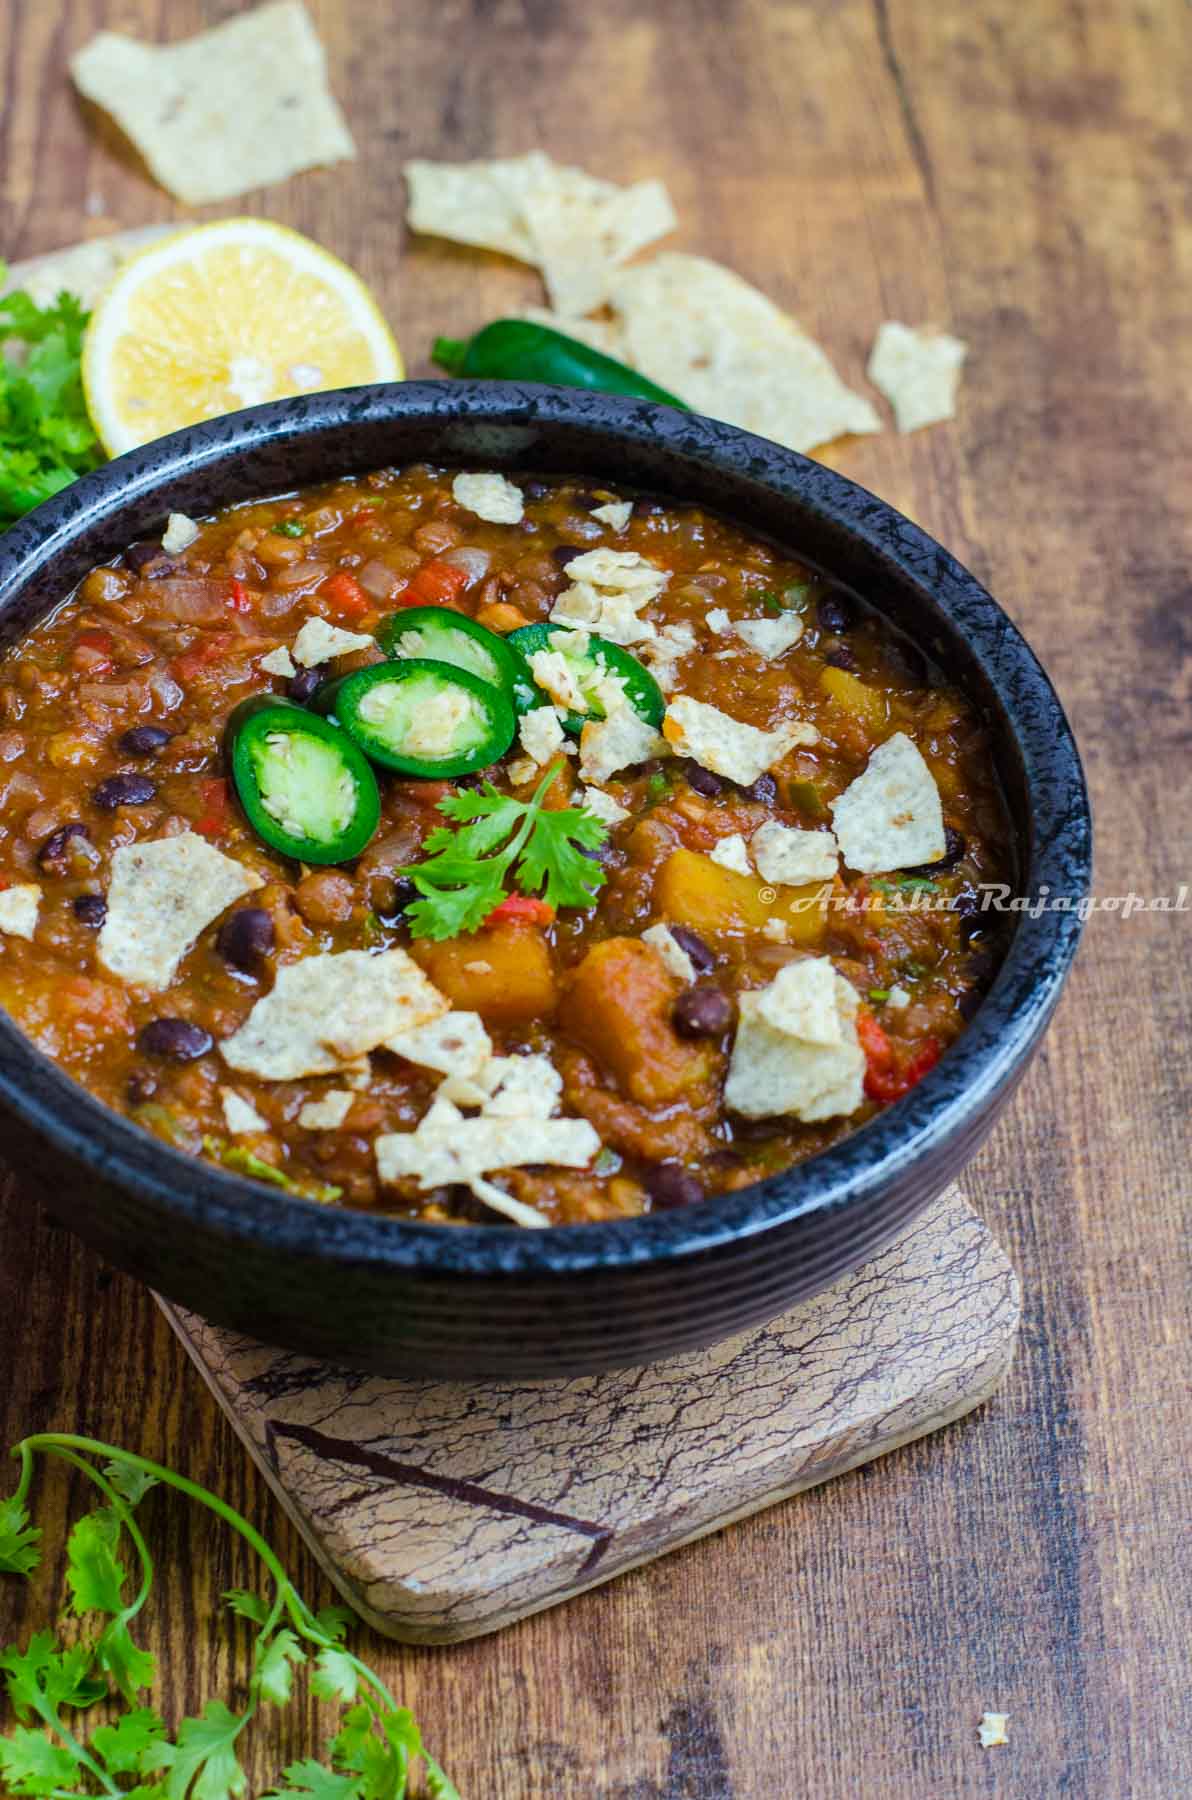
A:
(335, 1676)
(127, 1744)
(333, 1621)
(312, 1780)
(32, 1764)
(19, 1554)
(126, 1663)
(246, 1605)
(235, 1156)
(94, 1573)
(554, 861)
(43, 1678)
(130, 1482)
(203, 1762)
(46, 437)
(275, 1673)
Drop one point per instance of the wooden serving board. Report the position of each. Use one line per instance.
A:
(445, 1510)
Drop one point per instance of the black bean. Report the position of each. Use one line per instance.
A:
(703, 780)
(909, 662)
(91, 909)
(179, 1039)
(970, 914)
(144, 740)
(404, 894)
(702, 1012)
(565, 553)
(304, 685)
(670, 1185)
(842, 658)
(535, 490)
(54, 857)
(647, 509)
(764, 790)
(702, 958)
(245, 938)
(124, 790)
(148, 558)
(834, 613)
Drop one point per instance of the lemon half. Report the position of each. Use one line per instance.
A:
(224, 316)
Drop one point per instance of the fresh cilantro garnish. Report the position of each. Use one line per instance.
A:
(657, 787)
(292, 528)
(51, 1757)
(235, 1156)
(879, 994)
(46, 437)
(463, 878)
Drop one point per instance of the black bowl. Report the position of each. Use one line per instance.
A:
(404, 1298)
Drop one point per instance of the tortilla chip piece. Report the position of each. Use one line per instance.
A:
(607, 810)
(770, 637)
(179, 534)
(991, 1729)
(454, 1044)
(918, 371)
(160, 897)
(617, 742)
(328, 1112)
(616, 513)
(772, 1072)
(319, 642)
(18, 910)
(490, 496)
(479, 203)
(541, 735)
(732, 853)
(278, 662)
(237, 107)
(583, 229)
(508, 1087)
(792, 858)
(554, 674)
(890, 817)
(327, 1011)
(240, 1116)
(724, 745)
(664, 652)
(438, 1153)
(604, 335)
(677, 961)
(801, 1000)
(81, 269)
(701, 332)
(608, 590)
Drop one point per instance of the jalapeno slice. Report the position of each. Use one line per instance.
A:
(439, 634)
(304, 785)
(422, 717)
(596, 664)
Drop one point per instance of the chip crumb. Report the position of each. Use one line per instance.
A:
(608, 810)
(616, 513)
(890, 817)
(724, 745)
(718, 621)
(278, 662)
(19, 908)
(665, 650)
(541, 734)
(161, 895)
(490, 496)
(776, 930)
(792, 858)
(328, 1112)
(319, 642)
(732, 853)
(618, 742)
(770, 637)
(898, 998)
(522, 771)
(608, 590)
(234, 108)
(991, 1729)
(918, 370)
(179, 534)
(554, 674)
(240, 1116)
(677, 961)
(327, 1011)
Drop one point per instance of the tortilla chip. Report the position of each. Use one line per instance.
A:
(770, 637)
(541, 735)
(555, 676)
(677, 961)
(240, 1116)
(618, 742)
(477, 203)
(490, 496)
(918, 371)
(772, 1072)
(724, 745)
(454, 1044)
(179, 534)
(663, 653)
(616, 513)
(441, 1152)
(701, 332)
(732, 853)
(604, 335)
(278, 662)
(801, 1000)
(328, 1112)
(19, 907)
(508, 1087)
(327, 1011)
(608, 590)
(160, 897)
(890, 817)
(235, 108)
(792, 858)
(81, 269)
(319, 642)
(606, 809)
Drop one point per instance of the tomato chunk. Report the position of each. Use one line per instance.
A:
(435, 584)
(522, 906)
(345, 594)
(213, 821)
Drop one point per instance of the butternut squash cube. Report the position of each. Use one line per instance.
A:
(618, 1008)
(865, 703)
(693, 890)
(504, 972)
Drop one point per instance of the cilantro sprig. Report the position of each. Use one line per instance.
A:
(46, 438)
(463, 877)
(133, 1754)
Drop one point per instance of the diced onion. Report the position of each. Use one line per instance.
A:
(166, 690)
(474, 563)
(301, 574)
(379, 580)
(190, 599)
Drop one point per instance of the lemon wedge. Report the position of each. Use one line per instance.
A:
(223, 316)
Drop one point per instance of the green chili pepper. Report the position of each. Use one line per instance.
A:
(516, 350)
(422, 718)
(600, 660)
(438, 634)
(305, 787)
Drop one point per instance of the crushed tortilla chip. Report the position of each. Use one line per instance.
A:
(772, 1072)
(328, 1112)
(724, 745)
(801, 1000)
(792, 858)
(82, 269)
(160, 897)
(608, 590)
(477, 203)
(616, 513)
(541, 735)
(278, 662)
(607, 810)
(677, 961)
(234, 108)
(617, 742)
(490, 496)
(18, 910)
(718, 621)
(454, 1044)
(240, 1116)
(509, 1087)
(770, 637)
(326, 1012)
(179, 534)
(918, 371)
(705, 335)
(890, 817)
(319, 642)
(554, 674)
(446, 1149)
(664, 652)
(991, 1729)
(732, 853)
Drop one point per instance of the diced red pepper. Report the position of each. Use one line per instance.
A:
(214, 819)
(92, 652)
(363, 516)
(888, 1082)
(434, 584)
(345, 594)
(879, 1051)
(184, 668)
(238, 599)
(521, 906)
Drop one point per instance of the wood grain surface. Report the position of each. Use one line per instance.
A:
(1021, 174)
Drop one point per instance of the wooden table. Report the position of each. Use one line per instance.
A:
(1020, 174)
